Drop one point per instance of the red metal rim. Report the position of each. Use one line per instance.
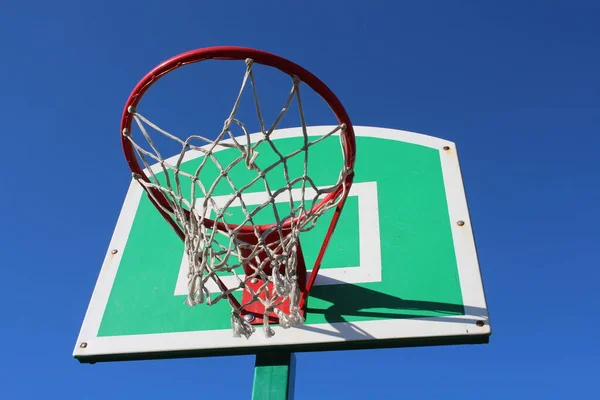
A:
(237, 53)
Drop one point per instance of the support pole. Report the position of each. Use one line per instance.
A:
(274, 375)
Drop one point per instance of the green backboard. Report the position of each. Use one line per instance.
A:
(401, 268)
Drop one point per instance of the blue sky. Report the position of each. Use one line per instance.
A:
(514, 84)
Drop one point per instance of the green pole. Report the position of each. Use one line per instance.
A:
(274, 375)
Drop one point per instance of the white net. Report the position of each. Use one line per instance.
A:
(253, 253)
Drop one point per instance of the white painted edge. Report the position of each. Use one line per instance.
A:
(366, 131)
(462, 232)
(309, 334)
(468, 268)
(108, 272)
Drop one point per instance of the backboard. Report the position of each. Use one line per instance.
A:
(401, 268)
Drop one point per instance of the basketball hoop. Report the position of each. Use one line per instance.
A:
(275, 284)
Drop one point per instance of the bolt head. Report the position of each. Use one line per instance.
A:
(249, 317)
(460, 223)
(83, 345)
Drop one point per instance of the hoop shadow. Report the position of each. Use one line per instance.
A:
(368, 304)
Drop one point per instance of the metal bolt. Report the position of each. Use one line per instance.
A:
(460, 223)
(254, 280)
(83, 345)
(446, 147)
(114, 251)
(480, 323)
(249, 317)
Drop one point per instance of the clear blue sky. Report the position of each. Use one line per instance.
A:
(514, 84)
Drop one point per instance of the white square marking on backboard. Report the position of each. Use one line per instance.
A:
(369, 268)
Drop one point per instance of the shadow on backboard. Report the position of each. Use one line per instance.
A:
(352, 303)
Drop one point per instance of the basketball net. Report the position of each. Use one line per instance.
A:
(216, 247)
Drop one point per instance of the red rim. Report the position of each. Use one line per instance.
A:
(236, 53)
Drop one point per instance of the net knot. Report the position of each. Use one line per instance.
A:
(240, 326)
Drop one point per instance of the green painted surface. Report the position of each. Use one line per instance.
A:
(420, 276)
